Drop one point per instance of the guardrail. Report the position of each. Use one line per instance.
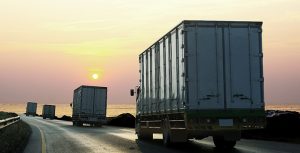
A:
(6, 122)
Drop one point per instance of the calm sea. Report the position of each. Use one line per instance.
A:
(65, 109)
(116, 109)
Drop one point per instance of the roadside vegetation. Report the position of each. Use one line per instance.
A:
(4, 115)
(14, 138)
(280, 126)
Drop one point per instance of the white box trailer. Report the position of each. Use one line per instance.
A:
(31, 108)
(89, 105)
(48, 111)
(203, 78)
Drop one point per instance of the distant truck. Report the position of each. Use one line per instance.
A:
(203, 78)
(89, 105)
(31, 108)
(48, 111)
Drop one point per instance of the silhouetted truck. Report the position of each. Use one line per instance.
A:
(48, 111)
(89, 105)
(203, 78)
(31, 108)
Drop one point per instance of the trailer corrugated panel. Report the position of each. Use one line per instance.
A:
(77, 101)
(203, 65)
(162, 75)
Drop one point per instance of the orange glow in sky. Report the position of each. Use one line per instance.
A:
(48, 48)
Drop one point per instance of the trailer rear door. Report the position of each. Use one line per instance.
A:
(224, 65)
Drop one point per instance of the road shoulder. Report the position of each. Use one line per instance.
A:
(35, 141)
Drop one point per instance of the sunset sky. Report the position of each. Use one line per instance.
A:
(50, 47)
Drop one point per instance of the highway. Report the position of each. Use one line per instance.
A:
(55, 136)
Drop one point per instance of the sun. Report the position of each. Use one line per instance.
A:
(95, 76)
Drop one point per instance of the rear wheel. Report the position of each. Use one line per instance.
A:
(221, 143)
(166, 138)
(98, 125)
(76, 123)
(145, 136)
(142, 135)
(166, 133)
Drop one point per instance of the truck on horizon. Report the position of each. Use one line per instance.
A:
(89, 105)
(48, 111)
(31, 108)
(202, 78)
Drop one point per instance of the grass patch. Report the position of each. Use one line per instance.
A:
(14, 138)
(4, 115)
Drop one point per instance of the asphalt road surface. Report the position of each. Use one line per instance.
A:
(55, 136)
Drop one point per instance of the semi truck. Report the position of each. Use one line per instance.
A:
(48, 111)
(31, 108)
(89, 105)
(202, 78)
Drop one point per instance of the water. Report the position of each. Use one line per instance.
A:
(284, 107)
(65, 109)
(116, 109)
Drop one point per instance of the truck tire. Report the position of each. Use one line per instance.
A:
(166, 133)
(220, 143)
(142, 135)
(166, 138)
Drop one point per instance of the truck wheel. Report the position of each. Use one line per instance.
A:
(145, 136)
(142, 135)
(166, 133)
(166, 138)
(98, 125)
(220, 143)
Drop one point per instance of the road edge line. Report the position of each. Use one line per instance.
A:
(43, 140)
